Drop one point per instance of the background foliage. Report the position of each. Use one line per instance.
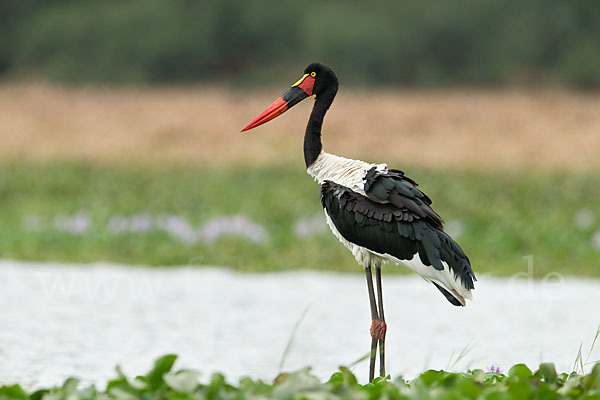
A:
(534, 213)
(436, 42)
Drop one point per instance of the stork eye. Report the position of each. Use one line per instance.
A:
(313, 74)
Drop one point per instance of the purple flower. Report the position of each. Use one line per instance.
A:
(238, 225)
(305, 227)
(118, 224)
(141, 223)
(584, 218)
(494, 368)
(596, 240)
(178, 227)
(76, 224)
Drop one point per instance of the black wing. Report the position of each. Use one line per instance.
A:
(386, 228)
(393, 187)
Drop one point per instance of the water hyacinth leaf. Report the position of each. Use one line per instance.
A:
(562, 378)
(120, 374)
(521, 390)
(429, 377)
(337, 378)
(39, 394)
(379, 379)
(161, 366)
(377, 389)
(121, 394)
(592, 380)
(400, 383)
(498, 395)
(572, 387)
(138, 384)
(217, 387)
(520, 371)
(254, 388)
(468, 390)
(12, 392)
(348, 376)
(123, 385)
(548, 372)
(596, 370)
(280, 378)
(296, 382)
(478, 375)
(182, 381)
(70, 385)
(449, 379)
(89, 392)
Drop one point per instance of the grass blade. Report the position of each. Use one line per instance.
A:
(578, 360)
(593, 344)
(291, 340)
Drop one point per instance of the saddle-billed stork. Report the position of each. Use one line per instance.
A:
(376, 212)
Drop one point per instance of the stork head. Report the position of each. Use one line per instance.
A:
(317, 79)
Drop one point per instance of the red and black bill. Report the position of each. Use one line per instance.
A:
(298, 92)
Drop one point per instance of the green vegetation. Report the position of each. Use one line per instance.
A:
(437, 42)
(503, 216)
(161, 383)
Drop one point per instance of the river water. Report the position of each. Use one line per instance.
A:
(81, 320)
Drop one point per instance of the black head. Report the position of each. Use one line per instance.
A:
(324, 76)
(318, 81)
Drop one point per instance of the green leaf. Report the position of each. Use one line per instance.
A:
(498, 395)
(548, 372)
(521, 390)
(520, 371)
(478, 375)
(182, 381)
(430, 377)
(596, 370)
(70, 385)
(12, 392)
(348, 376)
(39, 394)
(468, 390)
(161, 366)
(592, 380)
(216, 386)
(336, 378)
(121, 394)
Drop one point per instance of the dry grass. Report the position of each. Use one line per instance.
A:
(456, 128)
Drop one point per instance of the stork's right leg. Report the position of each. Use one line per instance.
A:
(375, 320)
(382, 328)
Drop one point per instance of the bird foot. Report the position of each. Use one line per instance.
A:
(378, 329)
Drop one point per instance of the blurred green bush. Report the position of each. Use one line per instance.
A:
(67, 212)
(427, 43)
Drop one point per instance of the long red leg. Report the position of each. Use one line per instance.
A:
(383, 326)
(374, 318)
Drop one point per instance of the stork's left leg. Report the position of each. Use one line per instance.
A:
(374, 319)
(382, 324)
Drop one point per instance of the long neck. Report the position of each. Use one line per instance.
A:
(312, 137)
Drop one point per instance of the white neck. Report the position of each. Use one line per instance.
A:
(344, 171)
